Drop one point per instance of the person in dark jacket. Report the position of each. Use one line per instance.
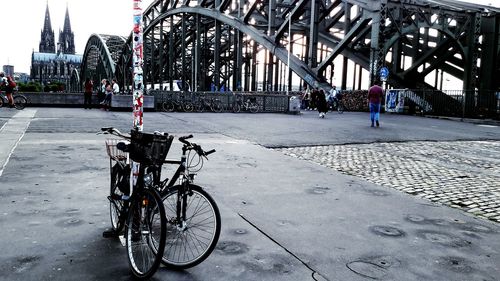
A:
(321, 103)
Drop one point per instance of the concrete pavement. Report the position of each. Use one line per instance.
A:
(283, 218)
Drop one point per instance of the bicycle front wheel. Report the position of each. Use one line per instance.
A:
(145, 233)
(192, 239)
(119, 178)
(20, 102)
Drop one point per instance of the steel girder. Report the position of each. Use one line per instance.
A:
(101, 54)
(218, 41)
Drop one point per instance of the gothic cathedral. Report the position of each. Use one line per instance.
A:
(55, 63)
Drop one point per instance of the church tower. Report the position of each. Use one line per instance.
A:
(66, 44)
(47, 41)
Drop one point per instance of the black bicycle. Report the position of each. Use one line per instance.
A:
(20, 101)
(213, 104)
(135, 205)
(193, 218)
(250, 104)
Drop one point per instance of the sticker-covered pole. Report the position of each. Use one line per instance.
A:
(137, 61)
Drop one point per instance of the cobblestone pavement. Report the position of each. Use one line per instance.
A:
(460, 174)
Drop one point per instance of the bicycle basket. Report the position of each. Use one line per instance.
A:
(113, 152)
(149, 148)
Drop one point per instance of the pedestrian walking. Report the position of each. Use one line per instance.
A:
(374, 99)
(321, 103)
(87, 95)
(306, 97)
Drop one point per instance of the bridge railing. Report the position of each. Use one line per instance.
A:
(455, 103)
(272, 102)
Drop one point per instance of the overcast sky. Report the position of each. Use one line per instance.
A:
(22, 22)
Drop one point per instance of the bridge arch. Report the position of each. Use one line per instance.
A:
(102, 52)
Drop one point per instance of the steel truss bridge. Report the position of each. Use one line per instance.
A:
(247, 44)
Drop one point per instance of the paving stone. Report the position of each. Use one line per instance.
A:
(454, 173)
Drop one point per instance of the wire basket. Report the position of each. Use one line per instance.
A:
(113, 152)
(149, 148)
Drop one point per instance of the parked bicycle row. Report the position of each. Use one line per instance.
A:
(202, 103)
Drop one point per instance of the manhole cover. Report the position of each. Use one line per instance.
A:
(387, 231)
(367, 269)
(232, 248)
(444, 239)
(240, 231)
(246, 165)
(455, 264)
(415, 218)
(318, 190)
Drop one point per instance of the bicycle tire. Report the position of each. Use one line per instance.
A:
(20, 102)
(192, 243)
(253, 107)
(188, 107)
(340, 108)
(199, 107)
(236, 108)
(1, 101)
(217, 106)
(168, 106)
(145, 233)
(119, 175)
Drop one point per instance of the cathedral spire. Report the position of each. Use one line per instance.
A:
(66, 36)
(67, 23)
(47, 39)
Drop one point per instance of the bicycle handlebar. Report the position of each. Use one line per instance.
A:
(184, 138)
(193, 146)
(114, 131)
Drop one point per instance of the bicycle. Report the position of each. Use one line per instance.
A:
(214, 104)
(193, 218)
(134, 203)
(180, 103)
(20, 100)
(337, 104)
(250, 104)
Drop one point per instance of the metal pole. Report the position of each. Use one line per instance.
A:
(289, 50)
(137, 60)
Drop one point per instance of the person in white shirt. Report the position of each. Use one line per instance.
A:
(116, 88)
(330, 98)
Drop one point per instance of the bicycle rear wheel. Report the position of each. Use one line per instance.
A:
(168, 106)
(145, 233)
(340, 108)
(20, 102)
(217, 106)
(191, 240)
(253, 107)
(1, 101)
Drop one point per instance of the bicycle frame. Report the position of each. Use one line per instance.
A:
(186, 179)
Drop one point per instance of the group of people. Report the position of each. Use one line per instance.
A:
(316, 99)
(8, 85)
(105, 92)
